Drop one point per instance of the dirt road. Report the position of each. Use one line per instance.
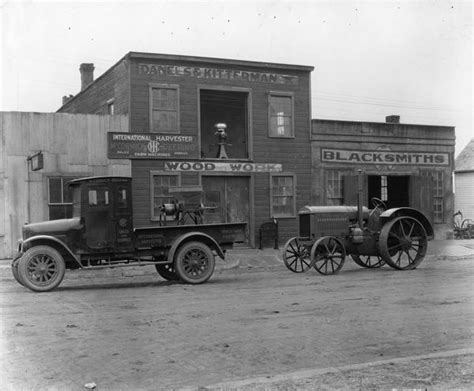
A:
(266, 328)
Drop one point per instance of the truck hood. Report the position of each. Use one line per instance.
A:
(50, 227)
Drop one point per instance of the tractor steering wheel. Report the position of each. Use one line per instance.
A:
(377, 202)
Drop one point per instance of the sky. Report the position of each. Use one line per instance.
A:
(371, 58)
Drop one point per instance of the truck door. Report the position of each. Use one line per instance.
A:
(98, 217)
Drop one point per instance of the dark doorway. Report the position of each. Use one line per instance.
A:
(229, 107)
(393, 190)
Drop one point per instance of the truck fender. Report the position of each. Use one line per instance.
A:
(44, 239)
(390, 214)
(199, 236)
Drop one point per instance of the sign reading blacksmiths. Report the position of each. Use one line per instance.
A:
(384, 157)
(149, 146)
(216, 73)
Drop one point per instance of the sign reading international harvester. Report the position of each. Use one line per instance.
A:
(384, 157)
(150, 145)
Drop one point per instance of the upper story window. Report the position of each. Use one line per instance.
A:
(164, 109)
(281, 115)
(110, 106)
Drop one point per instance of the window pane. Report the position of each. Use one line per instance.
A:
(165, 121)
(281, 116)
(283, 194)
(164, 99)
(55, 191)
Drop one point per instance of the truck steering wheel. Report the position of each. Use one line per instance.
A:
(377, 202)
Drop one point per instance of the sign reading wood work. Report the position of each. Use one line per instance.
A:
(225, 167)
(216, 74)
(384, 157)
(151, 146)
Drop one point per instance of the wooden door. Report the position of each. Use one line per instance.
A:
(421, 194)
(226, 199)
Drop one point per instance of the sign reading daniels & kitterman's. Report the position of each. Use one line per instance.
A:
(150, 145)
(384, 157)
(216, 73)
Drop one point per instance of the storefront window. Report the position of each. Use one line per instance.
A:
(281, 115)
(334, 188)
(283, 196)
(59, 198)
(160, 184)
(164, 109)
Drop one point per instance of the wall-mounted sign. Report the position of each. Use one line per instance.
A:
(151, 146)
(226, 167)
(216, 73)
(384, 157)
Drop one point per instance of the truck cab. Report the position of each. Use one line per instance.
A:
(103, 206)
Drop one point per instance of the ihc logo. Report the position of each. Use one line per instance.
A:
(153, 146)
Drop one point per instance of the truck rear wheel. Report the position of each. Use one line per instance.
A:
(194, 263)
(167, 272)
(41, 268)
(15, 270)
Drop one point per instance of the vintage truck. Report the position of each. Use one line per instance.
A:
(101, 234)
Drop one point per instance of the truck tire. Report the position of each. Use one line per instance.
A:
(41, 268)
(194, 263)
(167, 272)
(15, 271)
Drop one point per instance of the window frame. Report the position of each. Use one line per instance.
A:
(282, 94)
(340, 179)
(175, 87)
(64, 179)
(292, 214)
(154, 173)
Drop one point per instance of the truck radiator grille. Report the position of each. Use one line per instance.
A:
(305, 225)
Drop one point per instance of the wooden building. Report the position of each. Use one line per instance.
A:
(464, 181)
(39, 153)
(402, 164)
(254, 168)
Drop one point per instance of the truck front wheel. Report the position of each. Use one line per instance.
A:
(41, 268)
(194, 263)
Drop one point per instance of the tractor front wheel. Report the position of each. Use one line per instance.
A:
(296, 255)
(403, 243)
(328, 255)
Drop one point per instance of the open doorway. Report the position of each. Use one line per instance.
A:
(231, 108)
(393, 190)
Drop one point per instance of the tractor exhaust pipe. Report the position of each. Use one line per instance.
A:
(360, 193)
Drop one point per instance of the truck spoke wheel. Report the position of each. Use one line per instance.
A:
(41, 268)
(296, 255)
(369, 261)
(167, 272)
(328, 255)
(403, 243)
(194, 263)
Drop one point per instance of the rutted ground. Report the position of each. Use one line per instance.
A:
(145, 333)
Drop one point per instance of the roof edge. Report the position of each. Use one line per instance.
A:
(222, 61)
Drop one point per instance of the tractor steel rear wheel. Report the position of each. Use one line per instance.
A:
(328, 255)
(296, 255)
(369, 261)
(41, 268)
(194, 263)
(167, 272)
(403, 243)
